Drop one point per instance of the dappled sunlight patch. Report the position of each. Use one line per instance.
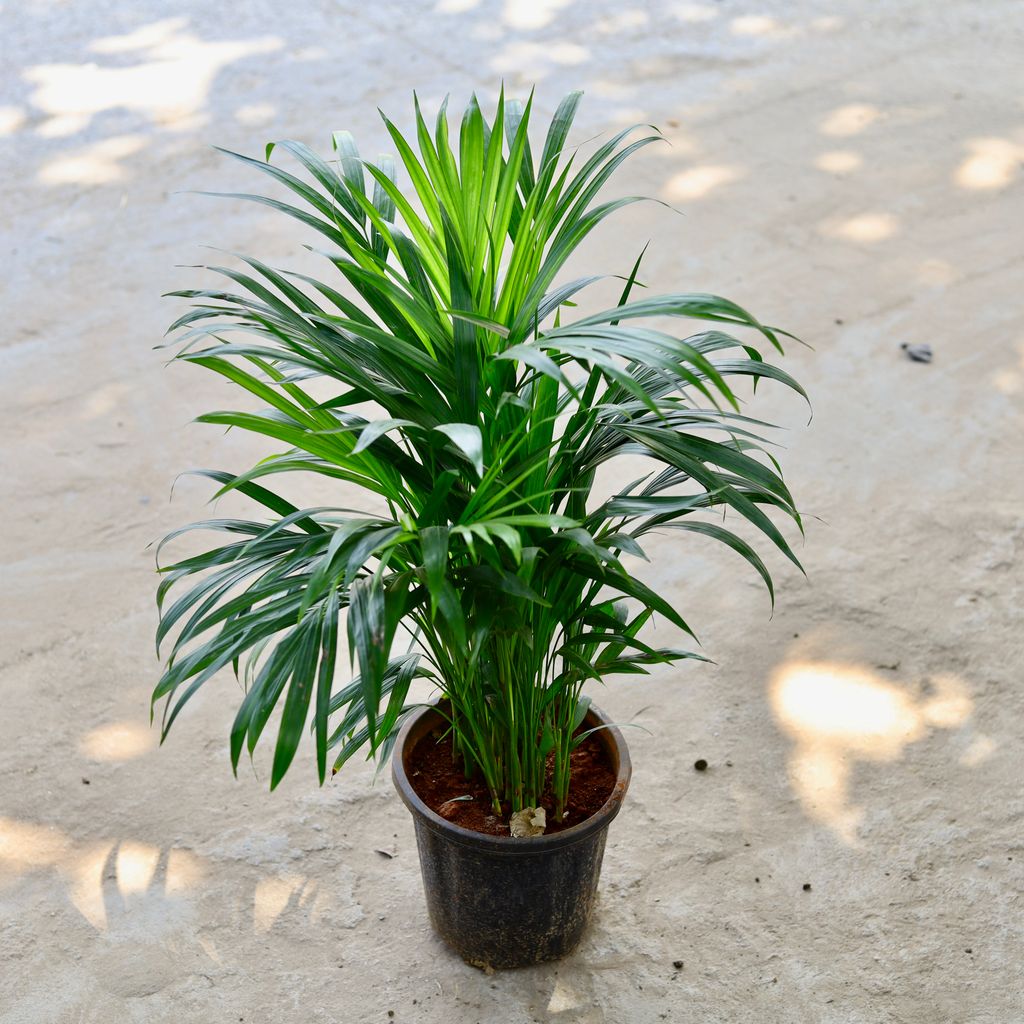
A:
(626, 116)
(84, 875)
(171, 82)
(184, 871)
(101, 875)
(105, 399)
(948, 704)
(623, 21)
(11, 120)
(698, 182)
(532, 14)
(828, 23)
(106, 875)
(118, 741)
(455, 6)
(693, 14)
(611, 89)
(97, 874)
(820, 775)
(991, 164)
(863, 227)
(135, 866)
(309, 54)
(839, 714)
(253, 115)
(533, 60)
(98, 164)
(845, 706)
(851, 119)
(839, 161)
(1009, 380)
(150, 36)
(760, 25)
(25, 846)
(62, 126)
(981, 748)
(682, 144)
(565, 997)
(271, 897)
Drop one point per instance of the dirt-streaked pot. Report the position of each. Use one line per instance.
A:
(501, 902)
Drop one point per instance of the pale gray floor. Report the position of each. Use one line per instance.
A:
(850, 171)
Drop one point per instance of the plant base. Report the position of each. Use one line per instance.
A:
(501, 902)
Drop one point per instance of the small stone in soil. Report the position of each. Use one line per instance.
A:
(86, 782)
(968, 950)
(677, 964)
(758, 880)
(807, 886)
(700, 765)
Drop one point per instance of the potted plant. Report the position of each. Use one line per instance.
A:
(433, 369)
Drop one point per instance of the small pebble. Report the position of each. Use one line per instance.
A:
(678, 964)
(807, 886)
(86, 782)
(968, 950)
(758, 880)
(700, 764)
(918, 353)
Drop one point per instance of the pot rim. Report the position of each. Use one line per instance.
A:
(600, 819)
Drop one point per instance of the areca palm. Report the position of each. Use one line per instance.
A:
(480, 419)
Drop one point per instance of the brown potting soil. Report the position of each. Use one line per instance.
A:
(439, 782)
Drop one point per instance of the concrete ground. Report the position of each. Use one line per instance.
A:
(850, 171)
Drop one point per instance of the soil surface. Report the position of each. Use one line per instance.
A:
(848, 171)
(443, 787)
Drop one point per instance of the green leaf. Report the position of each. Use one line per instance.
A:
(434, 541)
(468, 440)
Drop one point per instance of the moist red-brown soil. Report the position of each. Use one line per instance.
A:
(439, 781)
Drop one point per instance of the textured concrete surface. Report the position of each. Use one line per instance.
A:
(850, 171)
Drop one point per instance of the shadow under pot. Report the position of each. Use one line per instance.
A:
(501, 902)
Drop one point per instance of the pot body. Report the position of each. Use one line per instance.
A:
(501, 902)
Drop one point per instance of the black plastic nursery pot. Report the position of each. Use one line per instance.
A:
(501, 902)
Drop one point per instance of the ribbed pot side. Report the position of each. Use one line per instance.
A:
(501, 902)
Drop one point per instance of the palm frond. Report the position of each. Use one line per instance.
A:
(481, 427)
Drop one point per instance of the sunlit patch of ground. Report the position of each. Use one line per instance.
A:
(838, 715)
